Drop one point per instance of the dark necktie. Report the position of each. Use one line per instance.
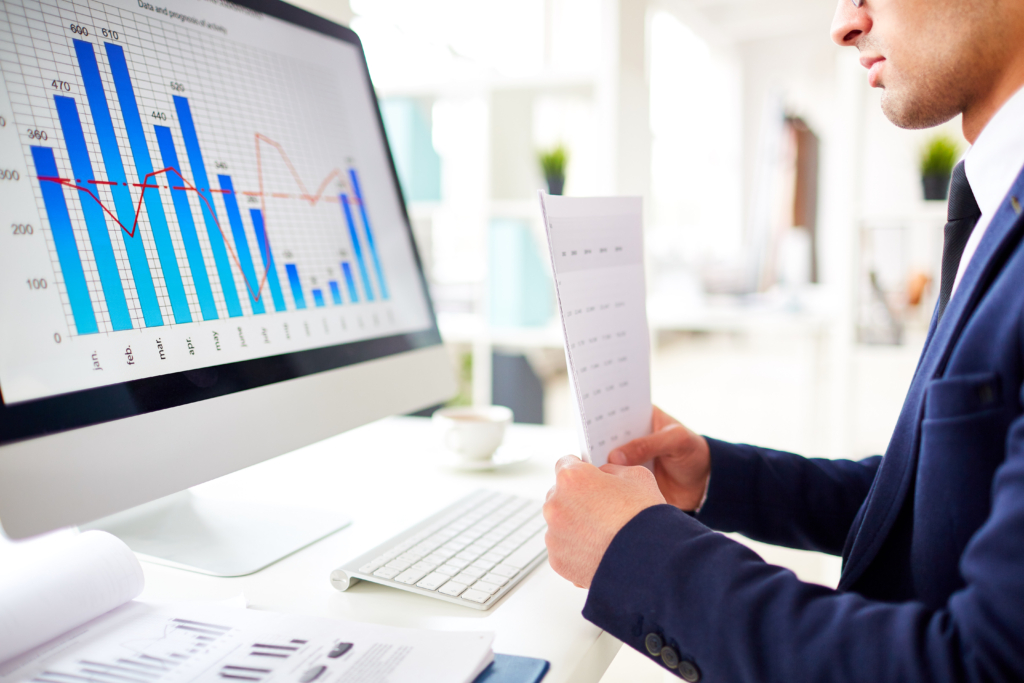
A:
(963, 214)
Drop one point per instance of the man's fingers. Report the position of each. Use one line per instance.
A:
(636, 473)
(639, 451)
(567, 461)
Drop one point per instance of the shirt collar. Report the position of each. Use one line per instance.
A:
(996, 158)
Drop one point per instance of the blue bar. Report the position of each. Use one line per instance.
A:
(268, 259)
(369, 233)
(241, 244)
(123, 203)
(356, 247)
(350, 281)
(95, 221)
(293, 279)
(64, 241)
(150, 189)
(335, 292)
(318, 297)
(186, 224)
(202, 185)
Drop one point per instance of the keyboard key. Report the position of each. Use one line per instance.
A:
(526, 554)
(497, 579)
(482, 564)
(467, 555)
(468, 577)
(453, 588)
(433, 581)
(456, 562)
(505, 570)
(410, 576)
(493, 557)
(425, 566)
(488, 588)
(372, 566)
(386, 573)
(436, 557)
(475, 596)
(448, 569)
(400, 565)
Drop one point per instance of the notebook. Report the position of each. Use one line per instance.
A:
(512, 669)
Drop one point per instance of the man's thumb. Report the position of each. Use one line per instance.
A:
(638, 451)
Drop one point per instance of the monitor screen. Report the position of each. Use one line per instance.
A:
(196, 198)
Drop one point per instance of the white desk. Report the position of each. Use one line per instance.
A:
(385, 476)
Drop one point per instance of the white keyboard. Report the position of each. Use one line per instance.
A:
(471, 553)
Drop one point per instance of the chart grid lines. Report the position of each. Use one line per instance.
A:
(177, 177)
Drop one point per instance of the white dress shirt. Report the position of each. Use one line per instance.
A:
(992, 164)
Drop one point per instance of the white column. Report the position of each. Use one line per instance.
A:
(842, 209)
(623, 94)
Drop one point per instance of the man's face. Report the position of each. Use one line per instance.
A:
(932, 58)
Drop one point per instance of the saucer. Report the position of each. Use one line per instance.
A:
(502, 458)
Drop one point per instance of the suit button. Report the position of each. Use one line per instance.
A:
(688, 671)
(669, 657)
(653, 644)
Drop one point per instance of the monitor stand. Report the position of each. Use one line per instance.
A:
(218, 537)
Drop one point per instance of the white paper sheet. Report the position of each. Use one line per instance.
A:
(596, 247)
(69, 585)
(185, 642)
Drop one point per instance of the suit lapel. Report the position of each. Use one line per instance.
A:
(898, 467)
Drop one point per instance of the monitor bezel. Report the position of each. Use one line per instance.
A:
(75, 410)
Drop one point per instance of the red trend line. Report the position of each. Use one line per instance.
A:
(145, 185)
(313, 199)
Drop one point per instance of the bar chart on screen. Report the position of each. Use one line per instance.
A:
(184, 199)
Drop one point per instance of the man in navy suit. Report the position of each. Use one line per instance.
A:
(931, 534)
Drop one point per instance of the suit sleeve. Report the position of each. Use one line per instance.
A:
(736, 618)
(783, 498)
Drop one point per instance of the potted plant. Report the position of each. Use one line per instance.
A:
(937, 161)
(552, 162)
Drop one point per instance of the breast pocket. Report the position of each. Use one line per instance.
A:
(964, 395)
(963, 441)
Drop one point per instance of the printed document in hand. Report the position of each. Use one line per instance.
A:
(72, 619)
(596, 246)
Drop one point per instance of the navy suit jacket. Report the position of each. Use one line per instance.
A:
(931, 534)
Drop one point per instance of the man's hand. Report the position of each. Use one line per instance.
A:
(682, 460)
(586, 507)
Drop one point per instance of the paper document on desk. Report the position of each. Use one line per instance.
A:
(120, 640)
(596, 247)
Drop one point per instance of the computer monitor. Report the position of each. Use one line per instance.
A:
(205, 258)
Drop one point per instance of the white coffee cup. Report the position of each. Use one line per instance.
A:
(472, 433)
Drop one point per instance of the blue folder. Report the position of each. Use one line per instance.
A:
(512, 669)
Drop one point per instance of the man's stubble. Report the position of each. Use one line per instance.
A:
(943, 65)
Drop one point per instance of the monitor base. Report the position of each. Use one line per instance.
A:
(218, 537)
